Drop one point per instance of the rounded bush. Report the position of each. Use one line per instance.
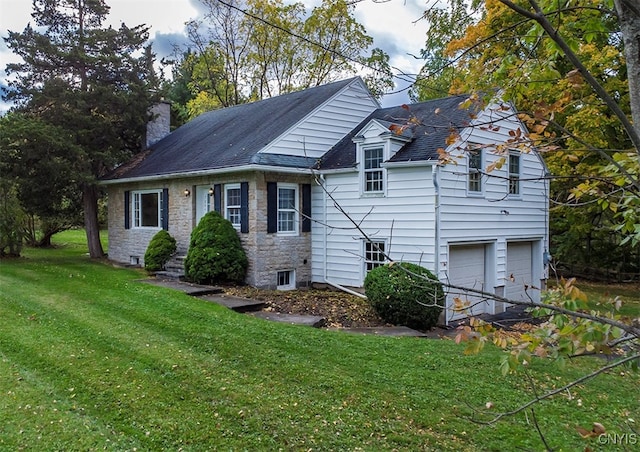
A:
(215, 253)
(405, 294)
(161, 247)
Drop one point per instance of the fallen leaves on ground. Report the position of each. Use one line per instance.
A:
(340, 309)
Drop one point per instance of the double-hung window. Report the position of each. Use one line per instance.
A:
(514, 173)
(287, 208)
(147, 209)
(374, 254)
(233, 202)
(474, 157)
(373, 171)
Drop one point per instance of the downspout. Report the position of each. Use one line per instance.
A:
(324, 239)
(435, 175)
(436, 185)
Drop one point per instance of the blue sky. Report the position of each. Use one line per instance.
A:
(393, 24)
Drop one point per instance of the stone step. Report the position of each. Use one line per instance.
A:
(294, 319)
(195, 290)
(384, 331)
(235, 303)
(169, 274)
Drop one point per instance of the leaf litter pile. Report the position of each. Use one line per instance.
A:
(341, 310)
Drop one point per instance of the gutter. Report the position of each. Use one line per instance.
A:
(209, 172)
(325, 276)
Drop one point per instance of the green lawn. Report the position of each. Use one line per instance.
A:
(90, 358)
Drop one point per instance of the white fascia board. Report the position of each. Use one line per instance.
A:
(409, 164)
(209, 172)
(353, 169)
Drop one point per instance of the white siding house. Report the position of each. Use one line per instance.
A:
(322, 185)
(472, 225)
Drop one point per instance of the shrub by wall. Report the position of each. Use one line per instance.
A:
(161, 247)
(405, 294)
(215, 253)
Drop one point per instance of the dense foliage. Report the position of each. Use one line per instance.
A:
(249, 50)
(405, 294)
(87, 84)
(215, 253)
(160, 249)
(485, 45)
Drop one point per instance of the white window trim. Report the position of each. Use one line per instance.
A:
(292, 280)
(363, 181)
(136, 213)
(518, 175)
(478, 193)
(296, 209)
(366, 261)
(228, 187)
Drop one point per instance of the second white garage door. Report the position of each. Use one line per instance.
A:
(519, 270)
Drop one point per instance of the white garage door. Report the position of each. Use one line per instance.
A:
(467, 269)
(519, 270)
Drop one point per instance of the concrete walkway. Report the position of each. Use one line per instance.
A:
(216, 295)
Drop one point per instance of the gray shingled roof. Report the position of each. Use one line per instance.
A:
(232, 136)
(436, 119)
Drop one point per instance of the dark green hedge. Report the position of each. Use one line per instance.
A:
(405, 294)
(215, 253)
(161, 247)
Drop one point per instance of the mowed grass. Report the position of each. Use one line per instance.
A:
(91, 358)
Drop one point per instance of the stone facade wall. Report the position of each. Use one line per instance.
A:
(267, 253)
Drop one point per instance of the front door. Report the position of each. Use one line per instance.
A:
(203, 201)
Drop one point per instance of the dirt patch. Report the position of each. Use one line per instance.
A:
(341, 309)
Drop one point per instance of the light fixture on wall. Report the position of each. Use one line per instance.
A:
(211, 191)
(187, 192)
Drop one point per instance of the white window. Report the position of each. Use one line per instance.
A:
(147, 209)
(374, 254)
(286, 280)
(373, 173)
(287, 208)
(232, 204)
(514, 173)
(474, 157)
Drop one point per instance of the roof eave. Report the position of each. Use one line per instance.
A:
(209, 172)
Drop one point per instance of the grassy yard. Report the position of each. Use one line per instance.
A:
(90, 358)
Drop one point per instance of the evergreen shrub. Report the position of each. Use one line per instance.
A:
(215, 253)
(161, 247)
(405, 294)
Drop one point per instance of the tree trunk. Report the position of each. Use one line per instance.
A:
(629, 19)
(91, 224)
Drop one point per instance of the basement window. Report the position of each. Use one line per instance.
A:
(286, 280)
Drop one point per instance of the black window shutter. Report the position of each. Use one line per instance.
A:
(127, 209)
(306, 207)
(217, 198)
(165, 209)
(272, 207)
(244, 207)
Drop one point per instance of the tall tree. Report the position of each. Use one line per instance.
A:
(85, 79)
(253, 49)
(569, 68)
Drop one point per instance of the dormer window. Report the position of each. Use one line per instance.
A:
(373, 181)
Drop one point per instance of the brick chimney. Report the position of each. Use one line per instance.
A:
(160, 125)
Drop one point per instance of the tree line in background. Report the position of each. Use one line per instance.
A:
(82, 94)
(83, 90)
